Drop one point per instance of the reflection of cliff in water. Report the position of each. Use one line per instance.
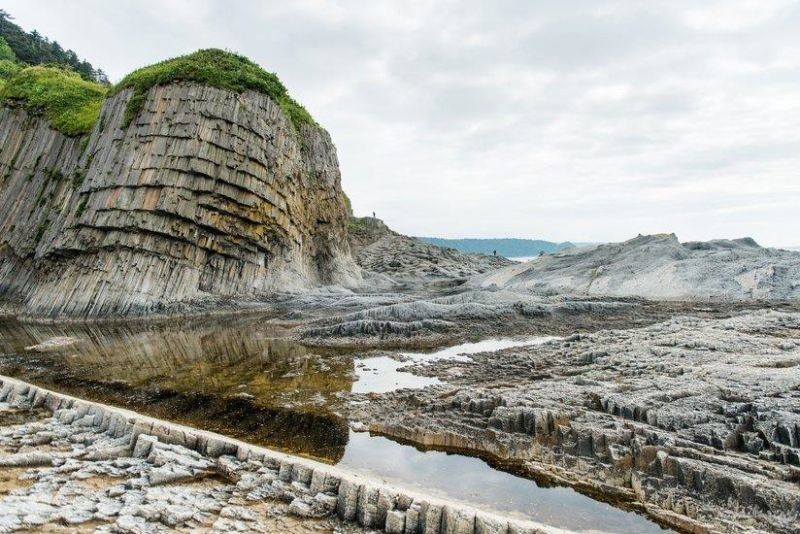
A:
(235, 376)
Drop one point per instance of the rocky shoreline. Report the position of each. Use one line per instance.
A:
(74, 463)
(694, 419)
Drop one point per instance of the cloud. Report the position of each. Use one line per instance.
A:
(562, 120)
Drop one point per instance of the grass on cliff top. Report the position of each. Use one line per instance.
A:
(69, 102)
(217, 68)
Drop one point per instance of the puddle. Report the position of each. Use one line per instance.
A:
(382, 374)
(473, 481)
(240, 377)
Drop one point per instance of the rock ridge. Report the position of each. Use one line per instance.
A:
(163, 453)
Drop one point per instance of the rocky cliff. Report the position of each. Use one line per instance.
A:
(205, 194)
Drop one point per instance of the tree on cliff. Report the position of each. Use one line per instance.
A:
(34, 49)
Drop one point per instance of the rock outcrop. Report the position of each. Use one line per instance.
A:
(379, 249)
(659, 267)
(207, 194)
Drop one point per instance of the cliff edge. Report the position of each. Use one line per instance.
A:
(185, 189)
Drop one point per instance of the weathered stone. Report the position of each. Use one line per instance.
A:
(395, 522)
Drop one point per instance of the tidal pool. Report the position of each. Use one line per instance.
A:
(473, 481)
(243, 377)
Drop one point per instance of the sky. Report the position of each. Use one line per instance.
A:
(580, 120)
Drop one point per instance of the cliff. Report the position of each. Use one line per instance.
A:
(203, 193)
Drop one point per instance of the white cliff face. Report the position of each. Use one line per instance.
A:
(206, 194)
(659, 267)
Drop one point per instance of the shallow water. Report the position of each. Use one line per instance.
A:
(242, 377)
(381, 374)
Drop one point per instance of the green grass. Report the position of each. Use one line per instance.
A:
(217, 68)
(69, 102)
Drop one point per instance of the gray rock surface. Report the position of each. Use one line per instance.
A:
(207, 194)
(696, 419)
(659, 267)
(437, 319)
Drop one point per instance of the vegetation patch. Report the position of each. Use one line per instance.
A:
(42, 228)
(217, 68)
(81, 206)
(69, 102)
(8, 69)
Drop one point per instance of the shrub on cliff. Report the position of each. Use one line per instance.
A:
(217, 68)
(71, 103)
(34, 48)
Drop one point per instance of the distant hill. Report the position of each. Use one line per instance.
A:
(508, 247)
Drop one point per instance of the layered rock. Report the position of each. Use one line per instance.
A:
(77, 463)
(207, 194)
(695, 419)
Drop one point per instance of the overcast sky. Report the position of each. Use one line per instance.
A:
(579, 120)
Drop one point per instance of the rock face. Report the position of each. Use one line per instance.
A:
(207, 194)
(660, 267)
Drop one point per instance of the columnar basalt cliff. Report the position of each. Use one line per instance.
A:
(207, 193)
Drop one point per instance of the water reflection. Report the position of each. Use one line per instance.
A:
(242, 377)
(381, 374)
(235, 376)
